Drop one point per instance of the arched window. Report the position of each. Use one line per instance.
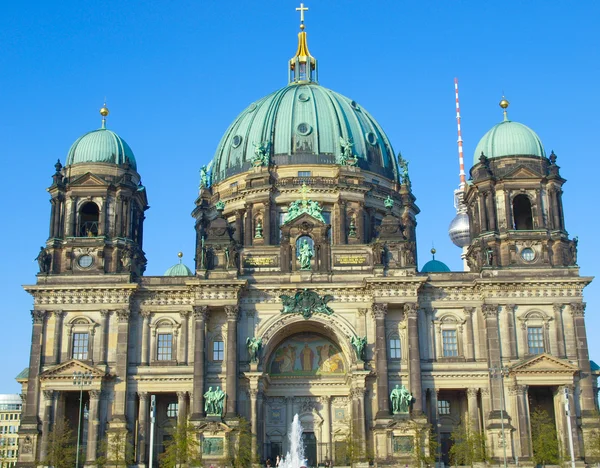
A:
(522, 215)
(89, 215)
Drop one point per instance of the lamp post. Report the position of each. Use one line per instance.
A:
(569, 428)
(80, 379)
(500, 373)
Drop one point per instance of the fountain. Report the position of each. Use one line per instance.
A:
(295, 456)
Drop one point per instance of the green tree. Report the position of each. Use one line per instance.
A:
(61, 449)
(183, 449)
(116, 450)
(241, 453)
(592, 442)
(468, 446)
(355, 446)
(544, 439)
(425, 445)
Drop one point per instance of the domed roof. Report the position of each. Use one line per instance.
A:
(179, 269)
(101, 146)
(435, 266)
(304, 123)
(509, 139)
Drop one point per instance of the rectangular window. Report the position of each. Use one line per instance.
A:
(443, 407)
(449, 343)
(395, 348)
(233, 185)
(80, 345)
(304, 173)
(164, 347)
(172, 410)
(218, 350)
(535, 340)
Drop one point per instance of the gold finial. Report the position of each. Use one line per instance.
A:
(302, 9)
(104, 112)
(433, 251)
(180, 255)
(504, 104)
(304, 191)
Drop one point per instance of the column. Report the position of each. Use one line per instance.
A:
(239, 225)
(119, 223)
(200, 316)
(248, 234)
(489, 198)
(35, 358)
(145, 336)
(253, 392)
(469, 345)
(539, 215)
(102, 218)
(586, 387)
(360, 222)
(342, 222)
(383, 405)
(433, 396)
(52, 217)
(93, 425)
(71, 229)
(181, 407)
(482, 212)
(560, 331)
(289, 416)
(143, 427)
(560, 396)
(553, 192)
(231, 374)
(46, 424)
(519, 395)
(267, 223)
(490, 313)
(414, 355)
(102, 358)
(120, 388)
(512, 337)
(58, 319)
(358, 410)
(485, 405)
(182, 356)
(473, 408)
(326, 408)
(508, 209)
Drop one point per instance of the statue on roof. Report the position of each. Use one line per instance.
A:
(403, 164)
(347, 158)
(261, 154)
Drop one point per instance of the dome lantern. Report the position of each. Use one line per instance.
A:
(302, 66)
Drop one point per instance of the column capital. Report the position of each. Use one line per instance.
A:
(59, 314)
(123, 315)
(181, 395)
(325, 399)
(410, 309)
(200, 312)
(143, 396)
(472, 392)
(578, 309)
(146, 314)
(38, 316)
(510, 307)
(489, 310)
(48, 396)
(557, 307)
(289, 400)
(379, 311)
(253, 393)
(184, 314)
(468, 310)
(233, 312)
(516, 390)
(94, 394)
(104, 313)
(485, 392)
(358, 392)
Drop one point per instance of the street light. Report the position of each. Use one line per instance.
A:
(500, 373)
(568, 414)
(81, 379)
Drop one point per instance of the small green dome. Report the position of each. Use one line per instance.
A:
(304, 124)
(435, 266)
(509, 139)
(101, 146)
(179, 269)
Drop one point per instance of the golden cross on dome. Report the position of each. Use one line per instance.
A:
(302, 9)
(304, 190)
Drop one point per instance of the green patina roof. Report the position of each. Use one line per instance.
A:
(435, 266)
(101, 146)
(509, 139)
(594, 366)
(179, 269)
(303, 124)
(23, 375)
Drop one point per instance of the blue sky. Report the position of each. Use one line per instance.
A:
(175, 75)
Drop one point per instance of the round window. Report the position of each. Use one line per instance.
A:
(237, 141)
(304, 129)
(354, 105)
(528, 254)
(303, 97)
(85, 261)
(252, 107)
(371, 138)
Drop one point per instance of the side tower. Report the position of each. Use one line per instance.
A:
(98, 204)
(514, 202)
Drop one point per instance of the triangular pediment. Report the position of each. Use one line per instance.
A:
(65, 371)
(544, 364)
(522, 172)
(305, 218)
(88, 180)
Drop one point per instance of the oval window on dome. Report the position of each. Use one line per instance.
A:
(303, 97)
(371, 138)
(304, 129)
(355, 105)
(85, 261)
(237, 141)
(528, 254)
(252, 107)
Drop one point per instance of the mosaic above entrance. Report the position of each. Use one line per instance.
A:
(307, 354)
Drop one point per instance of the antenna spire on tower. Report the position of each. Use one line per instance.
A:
(461, 159)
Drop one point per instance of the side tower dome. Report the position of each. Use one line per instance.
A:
(98, 204)
(514, 202)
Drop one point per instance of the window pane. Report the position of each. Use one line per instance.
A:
(165, 347)
(535, 340)
(449, 343)
(80, 345)
(172, 410)
(443, 407)
(218, 350)
(395, 348)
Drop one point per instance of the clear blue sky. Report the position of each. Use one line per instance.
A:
(176, 73)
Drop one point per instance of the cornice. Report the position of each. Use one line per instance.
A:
(93, 295)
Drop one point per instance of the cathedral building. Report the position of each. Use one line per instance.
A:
(305, 297)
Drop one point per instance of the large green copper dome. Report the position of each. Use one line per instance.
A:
(509, 139)
(304, 123)
(101, 146)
